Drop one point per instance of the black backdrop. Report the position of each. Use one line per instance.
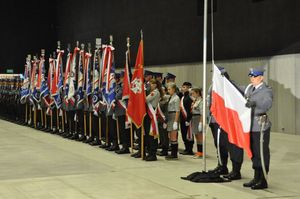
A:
(172, 28)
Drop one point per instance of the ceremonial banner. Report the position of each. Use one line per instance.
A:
(136, 109)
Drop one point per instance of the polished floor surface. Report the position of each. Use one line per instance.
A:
(36, 165)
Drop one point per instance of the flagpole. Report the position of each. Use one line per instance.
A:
(30, 110)
(118, 131)
(45, 118)
(127, 57)
(51, 120)
(143, 130)
(90, 122)
(142, 142)
(42, 59)
(62, 121)
(34, 117)
(84, 122)
(100, 129)
(131, 137)
(204, 83)
(26, 113)
(42, 118)
(57, 119)
(106, 132)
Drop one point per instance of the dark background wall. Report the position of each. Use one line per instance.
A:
(26, 27)
(172, 28)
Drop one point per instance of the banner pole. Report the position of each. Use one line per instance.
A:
(131, 137)
(118, 131)
(100, 129)
(26, 120)
(90, 124)
(142, 142)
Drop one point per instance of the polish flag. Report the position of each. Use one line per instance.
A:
(229, 110)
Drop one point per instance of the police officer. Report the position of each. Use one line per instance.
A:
(259, 98)
(120, 113)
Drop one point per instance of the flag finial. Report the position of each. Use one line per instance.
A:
(82, 46)
(69, 47)
(111, 40)
(42, 52)
(98, 43)
(89, 47)
(58, 45)
(128, 42)
(141, 34)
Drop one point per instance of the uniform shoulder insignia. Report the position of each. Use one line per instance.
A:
(152, 93)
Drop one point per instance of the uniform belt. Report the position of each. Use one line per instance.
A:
(172, 112)
(196, 114)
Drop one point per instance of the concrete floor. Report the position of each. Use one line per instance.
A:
(35, 164)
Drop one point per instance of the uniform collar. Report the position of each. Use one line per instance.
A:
(259, 85)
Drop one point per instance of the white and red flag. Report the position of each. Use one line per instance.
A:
(229, 110)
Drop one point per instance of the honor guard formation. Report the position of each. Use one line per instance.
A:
(77, 93)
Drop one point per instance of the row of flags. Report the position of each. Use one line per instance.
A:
(93, 82)
(88, 79)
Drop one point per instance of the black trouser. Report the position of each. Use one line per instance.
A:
(80, 123)
(255, 148)
(151, 143)
(184, 129)
(163, 136)
(95, 126)
(112, 131)
(103, 125)
(223, 142)
(71, 123)
(236, 153)
(124, 133)
(89, 120)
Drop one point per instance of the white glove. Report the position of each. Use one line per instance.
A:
(175, 126)
(187, 124)
(200, 127)
(165, 125)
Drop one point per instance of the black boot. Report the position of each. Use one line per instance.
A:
(104, 146)
(163, 152)
(261, 183)
(254, 180)
(89, 140)
(235, 174)
(174, 151)
(136, 155)
(188, 149)
(114, 147)
(82, 138)
(124, 150)
(96, 142)
(220, 170)
(75, 136)
(151, 157)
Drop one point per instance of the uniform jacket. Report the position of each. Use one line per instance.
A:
(263, 97)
